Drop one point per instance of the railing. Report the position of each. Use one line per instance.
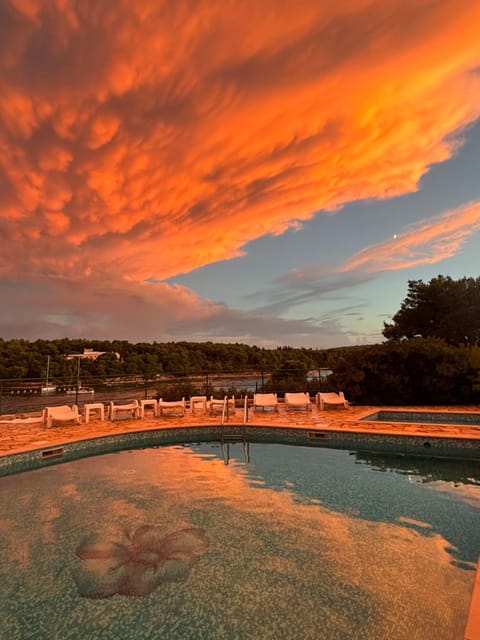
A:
(245, 410)
(20, 395)
(32, 395)
(225, 410)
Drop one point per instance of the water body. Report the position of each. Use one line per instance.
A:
(425, 417)
(316, 544)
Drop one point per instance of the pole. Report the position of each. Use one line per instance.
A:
(77, 382)
(48, 372)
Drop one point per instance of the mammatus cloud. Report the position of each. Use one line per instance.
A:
(143, 139)
(426, 242)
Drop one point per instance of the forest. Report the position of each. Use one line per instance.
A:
(415, 371)
(22, 359)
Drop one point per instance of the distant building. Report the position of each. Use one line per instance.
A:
(319, 374)
(90, 354)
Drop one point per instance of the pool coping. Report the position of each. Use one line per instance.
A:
(114, 438)
(472, 629)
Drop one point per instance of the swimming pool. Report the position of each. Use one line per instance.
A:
(428, 417)
(171, 542)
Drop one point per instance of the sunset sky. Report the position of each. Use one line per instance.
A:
(268, 172)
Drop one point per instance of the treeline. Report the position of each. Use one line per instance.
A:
(423, 371)
(22, 359)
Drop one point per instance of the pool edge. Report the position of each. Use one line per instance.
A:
(472, 629)
(67, 449)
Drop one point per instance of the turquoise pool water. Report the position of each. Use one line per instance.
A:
(425, 417)
(172, 543)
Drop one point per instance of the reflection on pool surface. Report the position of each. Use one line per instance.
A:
(300, 543)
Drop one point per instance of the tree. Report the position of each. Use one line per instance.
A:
(291, 375)
(410, 372)
(442, 308)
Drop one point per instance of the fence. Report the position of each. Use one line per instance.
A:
(31, 395)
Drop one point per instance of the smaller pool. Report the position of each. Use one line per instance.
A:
(430, 417)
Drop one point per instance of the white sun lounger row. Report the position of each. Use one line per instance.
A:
(267, 401)
(137, 408)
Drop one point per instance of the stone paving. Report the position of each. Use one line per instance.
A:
(26, 432)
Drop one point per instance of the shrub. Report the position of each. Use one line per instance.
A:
(418, 371)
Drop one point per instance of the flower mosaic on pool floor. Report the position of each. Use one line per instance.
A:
(136, 564)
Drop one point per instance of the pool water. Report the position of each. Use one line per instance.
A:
(425, 417)
(299, 543)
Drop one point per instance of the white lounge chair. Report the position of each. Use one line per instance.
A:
(217, 405)
(265, 401)
(131, 407)
(63, 413)
(171, 404)
(332, 398)
(298, 401)
(14, 420)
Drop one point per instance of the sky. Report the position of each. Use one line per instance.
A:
(271, 173)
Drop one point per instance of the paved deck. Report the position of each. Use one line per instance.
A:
(22, 433)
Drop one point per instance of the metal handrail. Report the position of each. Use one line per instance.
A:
(225, 409)
(245, 410)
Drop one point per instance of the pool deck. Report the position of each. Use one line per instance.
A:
(21, 433)
(25, 432)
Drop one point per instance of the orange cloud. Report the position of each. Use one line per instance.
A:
(157, 137)
(426, 242)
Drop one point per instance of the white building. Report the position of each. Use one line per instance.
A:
(90, 354)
